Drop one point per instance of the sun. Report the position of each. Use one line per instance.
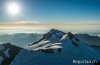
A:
(13, 8)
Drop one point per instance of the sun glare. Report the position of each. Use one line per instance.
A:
(13, 8)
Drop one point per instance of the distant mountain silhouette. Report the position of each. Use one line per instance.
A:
(20, 39)
(91, 40)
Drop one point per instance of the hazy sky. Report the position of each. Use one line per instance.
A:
(53, 11)
(37, 15)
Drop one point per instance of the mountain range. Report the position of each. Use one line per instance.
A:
(54, 48)
(20, 39)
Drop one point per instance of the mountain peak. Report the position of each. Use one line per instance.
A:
(70, 35)
(56, 36)
(53, 32)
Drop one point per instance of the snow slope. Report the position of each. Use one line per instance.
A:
(57, 48)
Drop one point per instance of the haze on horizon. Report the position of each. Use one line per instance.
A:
(42, 28)
(32, 15)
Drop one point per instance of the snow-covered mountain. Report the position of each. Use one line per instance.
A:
(58, 48)
(8, 53)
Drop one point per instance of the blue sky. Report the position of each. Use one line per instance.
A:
(53, 11)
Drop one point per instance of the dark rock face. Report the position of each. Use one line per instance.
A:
(50, 50)
(98, 63)
(13, 51)
(70, 35)
(73, 38)
(74, 43)
(36, 42)
(46, 50)
(59, 50)
(57, 33)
